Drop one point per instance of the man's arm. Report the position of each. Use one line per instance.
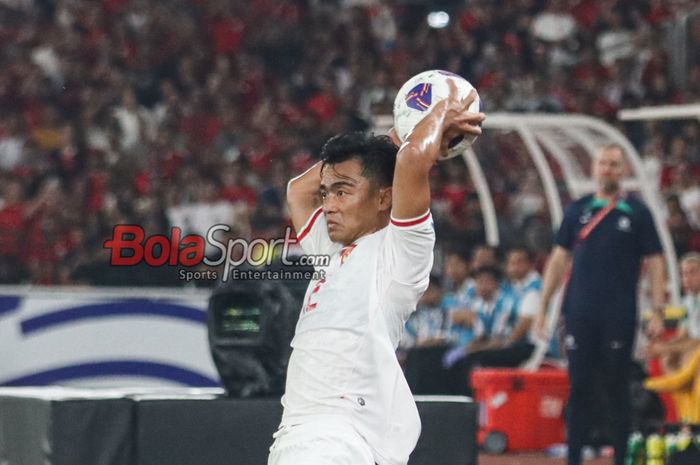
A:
(553, 273)
(303, 196)
(657, 280)
(678, 345)
(420, 151)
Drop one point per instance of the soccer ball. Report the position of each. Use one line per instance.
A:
(417, 96)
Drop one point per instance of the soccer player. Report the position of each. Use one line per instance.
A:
(605, 237)
(367, 206)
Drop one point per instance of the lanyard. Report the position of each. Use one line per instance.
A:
(595, 221)
(587, 230)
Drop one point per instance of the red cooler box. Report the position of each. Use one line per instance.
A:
(520, 410)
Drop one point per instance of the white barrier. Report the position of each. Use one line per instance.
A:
(104, 337)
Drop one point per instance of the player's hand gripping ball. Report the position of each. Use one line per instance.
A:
(418, 95)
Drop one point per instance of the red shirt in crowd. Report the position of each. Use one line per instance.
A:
(11, 229)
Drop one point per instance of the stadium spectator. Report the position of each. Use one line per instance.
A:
(678, 224)
(457, 299)
(131, 94)
(496, 326)
(522, 286)
(424, 342)
(525, 283)
(679, 356)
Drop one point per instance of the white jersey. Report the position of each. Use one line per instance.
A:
(343, 360)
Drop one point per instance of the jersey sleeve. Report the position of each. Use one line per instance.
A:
(649, 242)
(313, 236)
(409, 249)
(566, 236)
(529, 303)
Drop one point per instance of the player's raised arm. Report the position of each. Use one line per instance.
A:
(448, 118)
(303, 196)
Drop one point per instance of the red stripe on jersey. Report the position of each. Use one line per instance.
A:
(308, 227)
(406, 223)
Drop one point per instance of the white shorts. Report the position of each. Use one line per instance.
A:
(322, 442)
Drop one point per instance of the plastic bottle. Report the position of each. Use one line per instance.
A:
(635, 449)
(655, 450)
(671, 444)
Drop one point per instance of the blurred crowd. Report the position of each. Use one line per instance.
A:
(191, 113)
(478, 310)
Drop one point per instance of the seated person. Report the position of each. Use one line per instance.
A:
(525, 283)
(680, 356)
(500, 334)
(459, 304)
(457, 297)
(424, 342)
(426, 326)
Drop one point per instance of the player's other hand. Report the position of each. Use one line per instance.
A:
(459, 120)
(394, 137)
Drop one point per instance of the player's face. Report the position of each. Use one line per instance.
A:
(690, 276)
(353, 208)
(517, 265)
(608, 169)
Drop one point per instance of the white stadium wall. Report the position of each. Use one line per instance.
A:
(104, 338)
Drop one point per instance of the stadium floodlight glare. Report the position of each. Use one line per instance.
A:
(438, 19)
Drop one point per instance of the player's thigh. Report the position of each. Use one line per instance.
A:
(318, 448)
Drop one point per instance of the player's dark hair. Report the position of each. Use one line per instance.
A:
(376, 153)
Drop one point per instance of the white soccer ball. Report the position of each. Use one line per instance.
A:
(418, 95)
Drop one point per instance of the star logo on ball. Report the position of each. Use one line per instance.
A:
(420, 97)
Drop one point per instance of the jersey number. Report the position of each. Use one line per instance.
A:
(312, 305)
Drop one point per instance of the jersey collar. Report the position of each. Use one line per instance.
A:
(620, 204)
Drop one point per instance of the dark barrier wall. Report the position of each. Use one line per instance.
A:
(223, 431)
(66, 432)
(143, 430)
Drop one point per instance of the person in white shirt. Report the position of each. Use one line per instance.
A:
(366, 205)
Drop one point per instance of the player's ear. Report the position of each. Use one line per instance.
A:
(384, 198)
